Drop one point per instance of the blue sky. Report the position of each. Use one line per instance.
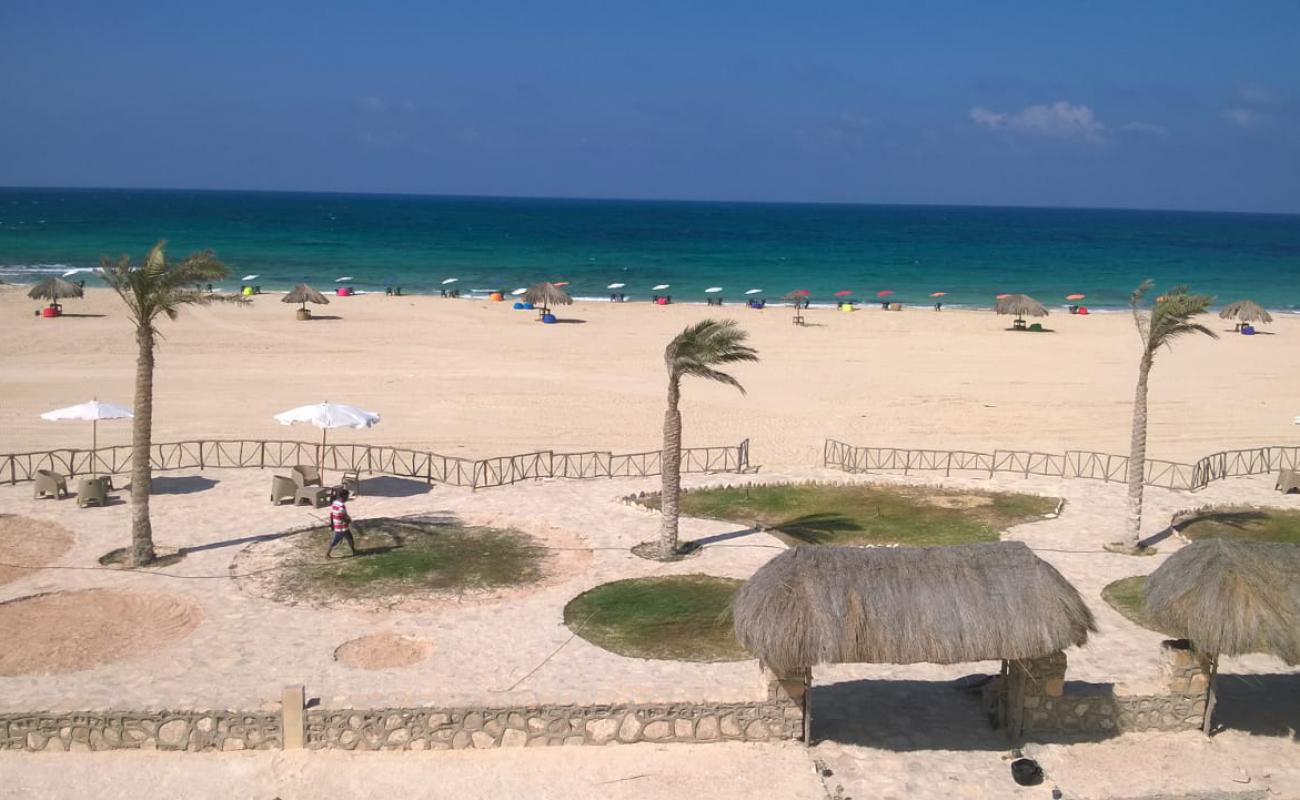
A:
(1134, 104)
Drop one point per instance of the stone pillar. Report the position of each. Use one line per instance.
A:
(292, 719)
(1190, 673)
(792, 687)
(1029, 682)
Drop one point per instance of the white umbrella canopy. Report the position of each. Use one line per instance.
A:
(329, 415)
(93, 412)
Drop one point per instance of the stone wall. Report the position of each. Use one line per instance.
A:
(549, 726)
(1038, 700)
(154, 730)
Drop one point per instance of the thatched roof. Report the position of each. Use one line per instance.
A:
(1231, 597)
(1246, 311)
(302, 293)
(1022, 305)
(55, 288)
(903, 605)
(547, 295)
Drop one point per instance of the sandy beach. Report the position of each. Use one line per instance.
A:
(475, 378)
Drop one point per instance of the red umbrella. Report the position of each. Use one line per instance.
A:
(938, 294)
(801, 292)
(1003, 296)
(884, 293)
(1075, 296)
(560, 283)
(844, 293)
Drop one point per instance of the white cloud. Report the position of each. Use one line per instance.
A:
(1149, 128)
(1253, 94)
(1245, 117)
(1060, 120)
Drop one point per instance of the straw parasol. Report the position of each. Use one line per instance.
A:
(1245, 312)
(1228, 598)
(545, 295)
(904, 605)
(304, 294)
(1022, 305)
(55, 289)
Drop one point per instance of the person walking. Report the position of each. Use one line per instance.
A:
(340, 523)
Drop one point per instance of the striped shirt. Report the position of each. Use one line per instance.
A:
(339, 518)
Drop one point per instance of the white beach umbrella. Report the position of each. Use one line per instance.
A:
(753, 291)
(76, 270)
(518, 292)
(344, 278)
(713, 290)
(93, 411)
(250, 277)
(329, 415)
(616, 286)
(659, 287)
(450, 280)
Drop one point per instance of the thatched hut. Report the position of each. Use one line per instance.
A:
(905, 605)
(303, 294)
(1230, 597)
(545, 295)
(1021, 305)
(1245, 312)
(55, 289)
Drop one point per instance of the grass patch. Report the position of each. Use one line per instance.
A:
(404, 556)
(858, 515)
(677, 617)
(1128, 597)
(1248, 524)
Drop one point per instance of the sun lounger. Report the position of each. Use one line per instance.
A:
(317, 496)
(282, 488)
(92, 490)
(1288, 481)
(306, 476)
(51, 484)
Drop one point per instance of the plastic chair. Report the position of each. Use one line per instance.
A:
(91, 490)
(282, 488)
(50, 483)
(305, 475)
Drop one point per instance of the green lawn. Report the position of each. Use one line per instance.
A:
(857, 515)
(1128, 597)
(397, 557)
(678, 618)
(1251, 524)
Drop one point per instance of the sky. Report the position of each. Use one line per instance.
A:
(1180, 105)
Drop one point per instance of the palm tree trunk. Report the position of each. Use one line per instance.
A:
(671, 469)
(141, 440)
(1137, 456)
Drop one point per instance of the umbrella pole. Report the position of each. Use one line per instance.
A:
(94, 444)
(320, 462)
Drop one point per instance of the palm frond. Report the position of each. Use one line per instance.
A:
(697, 349)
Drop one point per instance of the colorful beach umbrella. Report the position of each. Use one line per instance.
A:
(1002, 296)
(843, 293)
(1075, 296)
(801, 292)
(938, 294)
(884, 293)
(560, 283)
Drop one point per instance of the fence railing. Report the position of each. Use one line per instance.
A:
(1070, 464)
(396, 461)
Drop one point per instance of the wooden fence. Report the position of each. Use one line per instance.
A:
(399, 462)
(1070, 464)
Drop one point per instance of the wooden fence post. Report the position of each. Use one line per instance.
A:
(292, 720)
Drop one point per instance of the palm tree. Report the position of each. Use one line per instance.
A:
(696, 352)
(152, 290)
(1169, 319)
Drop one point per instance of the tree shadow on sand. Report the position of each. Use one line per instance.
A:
(821, 528)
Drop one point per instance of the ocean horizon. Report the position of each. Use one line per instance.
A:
(416, 242)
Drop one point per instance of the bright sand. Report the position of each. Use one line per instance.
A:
(470, 377)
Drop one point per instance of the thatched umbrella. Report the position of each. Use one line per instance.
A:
(304, 294)
(1022, 305)
(1245, 312)
(903, 605)
(1230, 597)
(55, 289)
(545, 295)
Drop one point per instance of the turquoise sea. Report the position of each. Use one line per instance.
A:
(417, 242)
